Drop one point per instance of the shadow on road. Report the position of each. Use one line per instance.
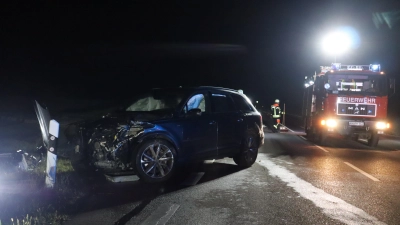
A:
(105, 194)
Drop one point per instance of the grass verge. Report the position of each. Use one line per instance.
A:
(25, 199)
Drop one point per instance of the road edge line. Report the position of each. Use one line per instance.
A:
(362, 172)
(321, 148)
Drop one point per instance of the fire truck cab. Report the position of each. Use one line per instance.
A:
(347, 100)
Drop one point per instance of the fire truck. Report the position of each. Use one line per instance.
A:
(347, 100)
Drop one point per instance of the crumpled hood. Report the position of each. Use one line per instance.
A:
(112, 122)
(128, 117)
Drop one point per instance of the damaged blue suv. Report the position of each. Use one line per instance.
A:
(169, 126)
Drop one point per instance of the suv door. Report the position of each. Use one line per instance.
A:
(229, 122)
(199, 137)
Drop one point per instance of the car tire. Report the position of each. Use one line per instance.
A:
(249, 150)
(373, 141)
(155, 161)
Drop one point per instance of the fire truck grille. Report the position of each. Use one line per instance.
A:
(356, 109)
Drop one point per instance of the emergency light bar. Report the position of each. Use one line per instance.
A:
(375, 67)
(339, 67)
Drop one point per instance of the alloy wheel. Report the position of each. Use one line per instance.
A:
(251, 149)
(157, 160)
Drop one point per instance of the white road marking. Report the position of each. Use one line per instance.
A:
(362, 172)
(306, 140)
(289, 129)
(322, 148)
(193, 179)
(161, 215)
(331, 206)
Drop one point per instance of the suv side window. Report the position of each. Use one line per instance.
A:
(222, 103)
(241, 103)
(197, 101)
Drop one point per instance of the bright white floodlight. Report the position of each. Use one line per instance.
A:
(336, 43)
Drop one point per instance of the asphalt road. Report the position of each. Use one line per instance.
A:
(293, 182)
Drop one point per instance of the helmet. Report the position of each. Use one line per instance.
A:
(277, 100)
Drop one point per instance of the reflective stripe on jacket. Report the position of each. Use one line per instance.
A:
(276, 111)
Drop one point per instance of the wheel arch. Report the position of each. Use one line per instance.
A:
(251, 128)
(159, 135)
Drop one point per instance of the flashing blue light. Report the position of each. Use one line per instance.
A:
(335, 66)
(375, 67)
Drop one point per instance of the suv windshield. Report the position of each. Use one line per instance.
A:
(360, 84)
(157, 100)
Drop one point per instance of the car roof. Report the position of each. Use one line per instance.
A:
(202, 88)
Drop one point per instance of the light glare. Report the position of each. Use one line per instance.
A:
(382, 125)
(331, 123)
(336, 42)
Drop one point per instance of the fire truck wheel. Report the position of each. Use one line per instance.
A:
(310, 135)
(373, 141)
(322, 138)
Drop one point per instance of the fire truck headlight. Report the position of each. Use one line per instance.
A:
(327, 86)
(329, 123)
(382, 125)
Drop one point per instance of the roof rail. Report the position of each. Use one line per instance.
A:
(223, 88)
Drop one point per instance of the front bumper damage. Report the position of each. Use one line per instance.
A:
(108, 146)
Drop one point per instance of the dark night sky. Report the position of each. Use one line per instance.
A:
(108, 50)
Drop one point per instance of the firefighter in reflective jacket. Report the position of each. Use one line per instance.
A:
(276, 115)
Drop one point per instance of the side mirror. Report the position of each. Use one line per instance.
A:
(194, 112)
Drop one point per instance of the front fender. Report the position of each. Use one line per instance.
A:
(160, 134)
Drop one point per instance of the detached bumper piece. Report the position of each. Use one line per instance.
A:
(121, 177)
